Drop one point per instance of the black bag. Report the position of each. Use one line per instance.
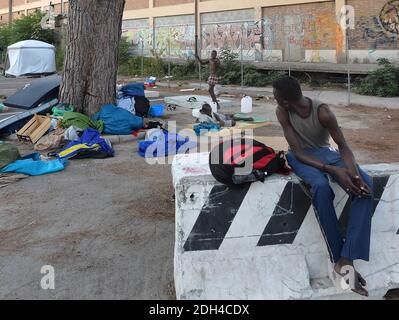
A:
(141, 106)
(262, 161)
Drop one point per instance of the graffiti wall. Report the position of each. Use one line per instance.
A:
(175, 36)
(302, 33)
(232, 36)
(376, 24)
(175, 41)
(139, 35)
(234, 30)
(305, 32)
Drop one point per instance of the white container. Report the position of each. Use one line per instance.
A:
(246, 104)
(196, 113)
(214, 106)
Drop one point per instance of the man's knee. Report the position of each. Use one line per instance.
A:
(321, 186)
(368, 180)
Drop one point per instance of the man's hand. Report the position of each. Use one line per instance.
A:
(348, 182)
(364, 188)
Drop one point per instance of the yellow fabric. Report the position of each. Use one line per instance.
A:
(77, 147)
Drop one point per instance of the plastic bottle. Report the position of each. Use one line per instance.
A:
(246, 104)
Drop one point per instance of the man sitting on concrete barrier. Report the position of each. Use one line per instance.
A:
(308, 125)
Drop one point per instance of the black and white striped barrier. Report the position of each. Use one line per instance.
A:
(264, 242)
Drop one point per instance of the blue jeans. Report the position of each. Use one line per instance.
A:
(357, 242)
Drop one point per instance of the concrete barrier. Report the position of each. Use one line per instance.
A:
(264, 242)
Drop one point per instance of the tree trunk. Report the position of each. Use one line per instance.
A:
(91, 58)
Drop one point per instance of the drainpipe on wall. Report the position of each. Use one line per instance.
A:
(9, 12)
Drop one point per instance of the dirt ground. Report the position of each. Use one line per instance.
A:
(107, 226)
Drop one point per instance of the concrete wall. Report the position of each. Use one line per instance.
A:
(136, 4)
(230, 30)
(304, 32)
(161, 3)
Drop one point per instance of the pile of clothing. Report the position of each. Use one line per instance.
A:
(159, 142)
(73, 126)
(131, 97)
(13, 167)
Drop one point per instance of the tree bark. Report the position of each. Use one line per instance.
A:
(91, 57)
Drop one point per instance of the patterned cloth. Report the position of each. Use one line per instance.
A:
(213, 80)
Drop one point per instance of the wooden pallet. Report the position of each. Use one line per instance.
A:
(34, 129)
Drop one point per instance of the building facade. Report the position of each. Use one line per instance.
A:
(259, 30)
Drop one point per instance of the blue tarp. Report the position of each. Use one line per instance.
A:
(117, 120)
(170, 144)
(202, 128)
(33, 166)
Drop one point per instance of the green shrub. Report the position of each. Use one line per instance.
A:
(153, 66)
(257, 78)
(229, 71)
(186, 71)
(25, 28)
(383, 82)
(123, 51)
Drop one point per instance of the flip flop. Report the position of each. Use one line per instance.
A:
(342, 284)
(192, 99)
(337, 279)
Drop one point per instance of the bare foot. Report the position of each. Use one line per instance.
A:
(345, 267)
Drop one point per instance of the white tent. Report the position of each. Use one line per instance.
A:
(30, 57)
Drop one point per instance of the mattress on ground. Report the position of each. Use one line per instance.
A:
(195, 101)
(34, 93)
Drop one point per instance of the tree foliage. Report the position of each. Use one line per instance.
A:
(25, 28)
(383, 82)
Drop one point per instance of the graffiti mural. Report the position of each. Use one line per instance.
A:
(228, 35)
(375, 32)
(293, 34)
(175, 41)
(139, 37)
(389, 16)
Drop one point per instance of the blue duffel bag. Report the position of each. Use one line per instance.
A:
(133, 89)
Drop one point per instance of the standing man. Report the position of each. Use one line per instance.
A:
(308, 125)
(214, 63)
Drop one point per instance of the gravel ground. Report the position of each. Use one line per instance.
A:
(107, 226)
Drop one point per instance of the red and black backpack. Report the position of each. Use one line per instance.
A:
(229, 155)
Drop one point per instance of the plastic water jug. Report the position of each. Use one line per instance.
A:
(246, 104)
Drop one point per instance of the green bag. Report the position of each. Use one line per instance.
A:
(8, 154)
(81, 121)
(60, 109)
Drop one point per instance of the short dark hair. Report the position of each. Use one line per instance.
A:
(206, 106)
(289, 88)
